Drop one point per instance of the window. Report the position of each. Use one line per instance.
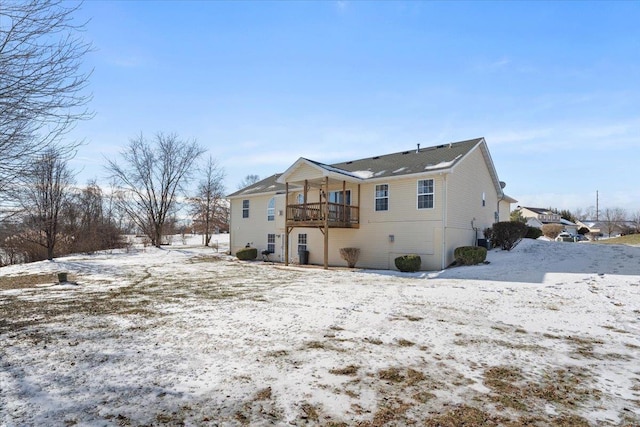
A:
(382, 197)
(336, 197)
(271, 209)
(302, 242)
(300, 198)
(484, 203)
(425, 194)
(245, 209)
(271, 243)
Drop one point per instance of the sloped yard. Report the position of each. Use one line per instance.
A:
(547, 334)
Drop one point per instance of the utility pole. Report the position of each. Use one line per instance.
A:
(597, 206)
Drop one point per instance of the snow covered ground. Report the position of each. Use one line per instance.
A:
(547, 334)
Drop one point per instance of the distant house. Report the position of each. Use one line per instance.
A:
(425, 201)
(612, 228)
(537, 217)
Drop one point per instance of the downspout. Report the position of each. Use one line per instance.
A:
(444, 220)
(501, 198)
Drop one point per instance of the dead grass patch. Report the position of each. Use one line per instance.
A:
(278, 353)
(204, 258)
(560, 386)
(350, 370)
(320, 345)
(263, 394)
(309, 412)
(423, 396)
(463, 415)
(374, 341)
(405, 343)
(393, 375)
(414, 377)
(26, 281)
(387, 413)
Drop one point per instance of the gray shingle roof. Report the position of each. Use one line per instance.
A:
(267, 185)
(414, 161)
(409, 162)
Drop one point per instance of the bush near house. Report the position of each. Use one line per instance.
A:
(247, 254)
(533, 233)
(350, 255)
(408, 263)
(507, 234)
(551, 230)
(470, 255)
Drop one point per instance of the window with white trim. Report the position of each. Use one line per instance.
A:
(271, 209)
(245, 209)
(271, 243)
(302, 242)
(382, 197)
(425, 194)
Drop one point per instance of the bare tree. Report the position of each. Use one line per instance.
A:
(207, 205)
(89, 220)
(42, 85)
(43, 191)
(635, 221)
(613, 218)
(151, 177)
(248, 180)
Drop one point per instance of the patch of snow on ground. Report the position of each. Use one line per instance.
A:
(186, 335)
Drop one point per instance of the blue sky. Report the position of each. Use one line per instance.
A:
(554, 87)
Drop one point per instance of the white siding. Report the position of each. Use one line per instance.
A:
(385, 235)
(254, 230)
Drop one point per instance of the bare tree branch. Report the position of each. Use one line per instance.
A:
(43, 191)
(151, 177)
(42, 85)
(208, 207)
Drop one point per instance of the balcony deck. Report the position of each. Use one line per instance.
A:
(313, 215)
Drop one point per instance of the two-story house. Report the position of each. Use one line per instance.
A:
(424, 201)
(537, 217)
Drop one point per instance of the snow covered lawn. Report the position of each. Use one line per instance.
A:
(548, 334)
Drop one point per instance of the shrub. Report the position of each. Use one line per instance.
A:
(408, 263)
(507, 234)
(533, 233)
(551, 230)
(470, 255)
(350, 255)
(247, 254)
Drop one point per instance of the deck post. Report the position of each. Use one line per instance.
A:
(344, 202)
(286, 224)
(358, 204)
(326, 223)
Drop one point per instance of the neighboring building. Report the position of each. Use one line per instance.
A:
(537, 217)
(607, 229)
(426, 201)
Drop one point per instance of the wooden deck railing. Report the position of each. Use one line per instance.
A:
(339, 215)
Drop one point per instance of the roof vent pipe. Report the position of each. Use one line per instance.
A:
(418, 149)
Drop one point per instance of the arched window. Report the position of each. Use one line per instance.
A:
(271, 209)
